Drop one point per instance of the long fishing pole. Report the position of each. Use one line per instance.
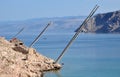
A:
(18, 32)
(76, 34)
(36, 39)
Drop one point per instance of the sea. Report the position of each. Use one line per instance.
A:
(90, 55)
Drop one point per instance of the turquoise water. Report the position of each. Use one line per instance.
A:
(91, 55)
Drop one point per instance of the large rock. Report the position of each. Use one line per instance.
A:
(104, 23)
(15, 63)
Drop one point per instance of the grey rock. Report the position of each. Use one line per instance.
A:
(104, 23)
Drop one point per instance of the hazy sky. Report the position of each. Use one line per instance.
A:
(28, 9)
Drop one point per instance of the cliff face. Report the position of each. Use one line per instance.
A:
(13, 62)
(104, 23)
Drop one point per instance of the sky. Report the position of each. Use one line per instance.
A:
(11, 10)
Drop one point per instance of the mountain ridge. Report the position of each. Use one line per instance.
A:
(100, 23)
(60, 24)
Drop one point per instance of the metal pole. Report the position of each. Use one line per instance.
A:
(18, 32)
(76, 34)
(36, 39)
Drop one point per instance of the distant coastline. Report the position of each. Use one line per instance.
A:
(100, 23)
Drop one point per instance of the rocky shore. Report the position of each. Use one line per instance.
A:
(17, 60)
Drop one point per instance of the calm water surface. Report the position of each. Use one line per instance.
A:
(91, 55)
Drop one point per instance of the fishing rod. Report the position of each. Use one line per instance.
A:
(78, 31)
(18, 32)
(36, 39)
